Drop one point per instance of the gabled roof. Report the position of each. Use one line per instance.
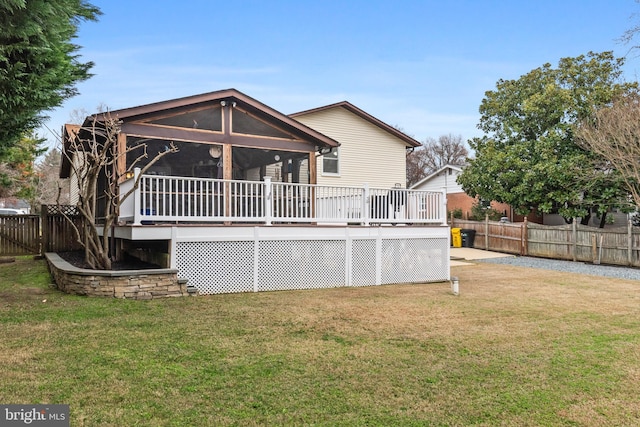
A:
(229, 95)
(364, 115)
(457, 168)
(137, 121)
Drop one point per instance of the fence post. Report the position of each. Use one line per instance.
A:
(486, 232)
(574, 237)
(44, 230)
(629, 242)
(524, 241)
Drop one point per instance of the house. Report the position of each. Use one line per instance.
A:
(218, 213)
(370, 150)
(446, 178)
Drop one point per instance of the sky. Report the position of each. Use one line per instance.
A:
(423, 66)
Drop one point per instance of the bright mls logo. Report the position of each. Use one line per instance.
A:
(34, 415)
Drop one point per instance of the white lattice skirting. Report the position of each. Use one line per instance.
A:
(253, 259)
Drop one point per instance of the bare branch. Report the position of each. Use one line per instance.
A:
(434, 154)
(94, 159)
(614, 134)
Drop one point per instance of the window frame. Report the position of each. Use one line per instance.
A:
(335, 153)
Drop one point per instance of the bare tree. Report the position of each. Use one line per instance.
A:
(96, 157)
(434, 154)
(78, 115)
(51, 189)
(416, 166)
(613, 133)
(629, 36)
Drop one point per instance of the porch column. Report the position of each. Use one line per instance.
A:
(313, 171)
(121, 153)
(227, 171)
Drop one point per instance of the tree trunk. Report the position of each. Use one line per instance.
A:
(603, 220)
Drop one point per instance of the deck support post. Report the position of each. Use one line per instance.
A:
(268, 200)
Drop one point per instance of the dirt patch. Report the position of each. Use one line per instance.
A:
(76, 258)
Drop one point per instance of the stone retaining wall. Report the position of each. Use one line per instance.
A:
(133, 284)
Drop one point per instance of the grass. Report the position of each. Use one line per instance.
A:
(517, 347)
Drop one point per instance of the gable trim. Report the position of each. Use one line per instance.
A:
(434, 174)
(228, 97)
(410, 142)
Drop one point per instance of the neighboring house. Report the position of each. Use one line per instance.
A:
(446, 178)
(241, 207)
(370, 151)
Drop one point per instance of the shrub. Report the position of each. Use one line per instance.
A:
(456, 213)
(480, 210)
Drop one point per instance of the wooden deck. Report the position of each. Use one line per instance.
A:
(171, 199)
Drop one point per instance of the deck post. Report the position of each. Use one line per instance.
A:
(443, 206)
(137, 194)
(256, 259)
(227, 173)
(366, 211)
(378, 257)
(268, 200)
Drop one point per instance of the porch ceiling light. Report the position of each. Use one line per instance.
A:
(215, 151)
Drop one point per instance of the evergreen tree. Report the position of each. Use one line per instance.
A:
(39, 64)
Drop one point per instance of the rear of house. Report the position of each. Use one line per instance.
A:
(370, 151)
(242, 206)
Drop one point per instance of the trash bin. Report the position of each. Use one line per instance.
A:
(456, 238)
(467, 237)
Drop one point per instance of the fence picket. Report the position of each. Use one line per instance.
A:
(574, 242)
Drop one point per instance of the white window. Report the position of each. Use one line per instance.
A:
(330, 162)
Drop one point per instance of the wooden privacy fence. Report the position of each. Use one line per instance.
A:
(19, 235)
(574, 242)
(37, 234)
(58, 234)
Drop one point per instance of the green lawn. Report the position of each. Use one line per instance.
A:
(517, 347)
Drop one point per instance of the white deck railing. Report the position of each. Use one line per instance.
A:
(183, 199)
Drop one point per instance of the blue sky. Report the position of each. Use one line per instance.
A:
(423, 66)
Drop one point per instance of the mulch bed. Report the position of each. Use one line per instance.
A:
(76, 258)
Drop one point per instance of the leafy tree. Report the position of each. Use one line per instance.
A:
(528, 156)
(17, 175)
(39, 64)
(434, 154)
